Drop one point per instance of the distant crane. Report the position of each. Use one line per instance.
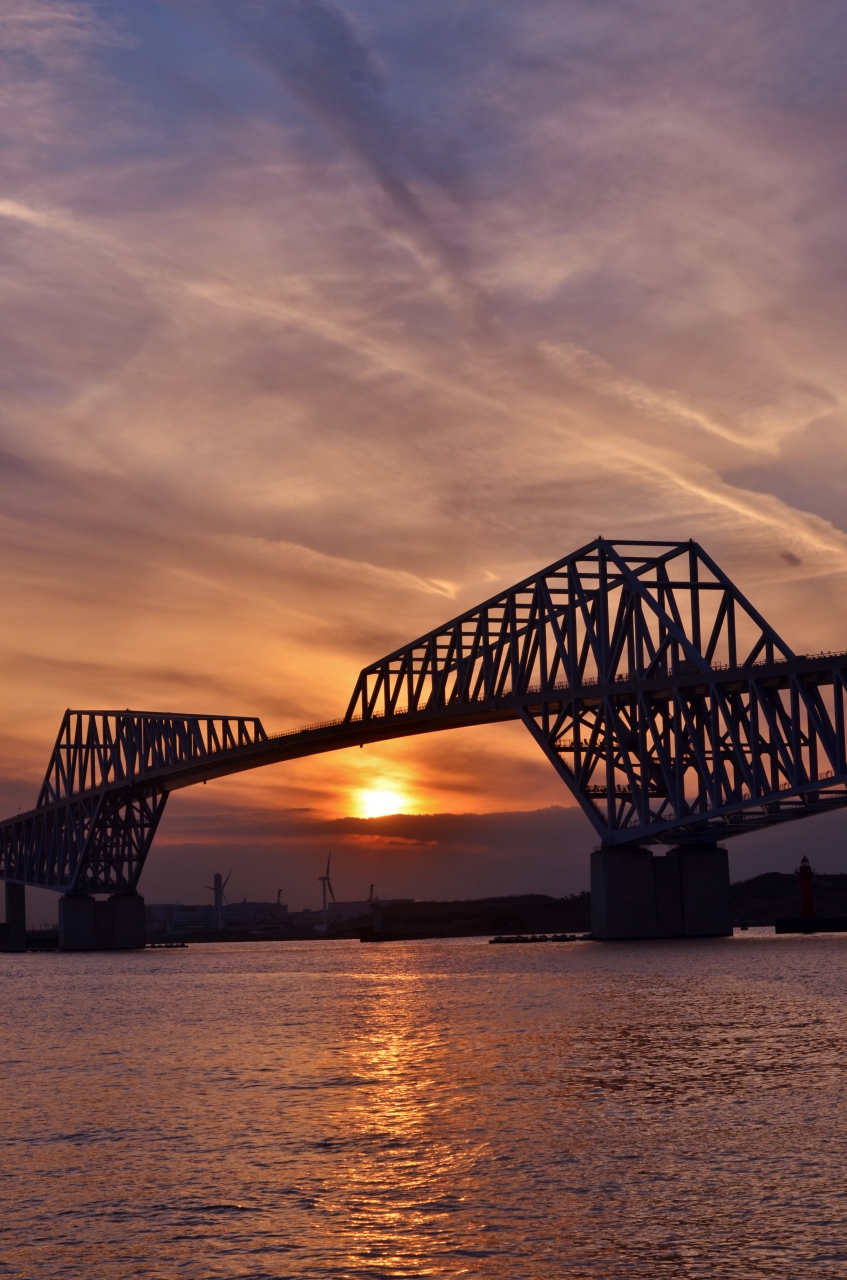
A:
(218, 890)
(325, 884)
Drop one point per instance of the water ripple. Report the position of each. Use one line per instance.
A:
(435, 1109)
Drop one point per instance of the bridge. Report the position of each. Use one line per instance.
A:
(669, 707)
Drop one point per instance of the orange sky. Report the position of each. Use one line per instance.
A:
(323, 322)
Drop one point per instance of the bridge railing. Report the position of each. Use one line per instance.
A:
(560, 686)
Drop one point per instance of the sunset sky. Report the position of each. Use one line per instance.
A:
(324, 321)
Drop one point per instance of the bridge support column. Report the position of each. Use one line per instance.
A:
(114, 925)
(128, 927)
(670, 919)
(13, 936)
(77, 923)
(623, 895)
(704, 882)
(684, 894)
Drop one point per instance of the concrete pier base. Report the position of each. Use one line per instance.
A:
(13, 932)
(104, 930)
(86, 924)
(684, 894)
(704, 885)
(128, 928)
(623, 894)
(77, 923)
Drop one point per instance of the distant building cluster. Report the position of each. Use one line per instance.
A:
(175, 918)
(178, 917)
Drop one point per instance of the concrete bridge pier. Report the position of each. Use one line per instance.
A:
(89, 924)
(683, 894)
(13, 932)
(128, 927)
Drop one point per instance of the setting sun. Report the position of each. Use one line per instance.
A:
(377, 802)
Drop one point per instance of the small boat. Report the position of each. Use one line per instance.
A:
(517, 938)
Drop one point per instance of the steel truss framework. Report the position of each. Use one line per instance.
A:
(666, 703)
(104, 794)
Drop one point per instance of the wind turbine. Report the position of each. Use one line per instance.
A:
(325, 884)
(218, 890)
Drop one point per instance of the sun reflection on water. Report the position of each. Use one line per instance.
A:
(412, 1155)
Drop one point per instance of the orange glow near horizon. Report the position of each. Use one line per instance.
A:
(288, 418)
(379, 802)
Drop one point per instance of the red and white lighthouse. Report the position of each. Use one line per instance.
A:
(805, 875)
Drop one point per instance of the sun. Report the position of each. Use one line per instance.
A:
(378, 802)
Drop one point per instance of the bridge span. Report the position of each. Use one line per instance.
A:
(668, 706)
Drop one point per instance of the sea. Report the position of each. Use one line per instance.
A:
(436, 1108)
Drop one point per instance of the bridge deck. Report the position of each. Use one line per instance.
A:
(356, 731)
(666, 703)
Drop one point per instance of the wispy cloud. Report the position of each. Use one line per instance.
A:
(324, 320)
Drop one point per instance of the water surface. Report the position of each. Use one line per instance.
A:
(439, 1108)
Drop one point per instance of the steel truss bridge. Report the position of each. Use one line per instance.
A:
(667, 705)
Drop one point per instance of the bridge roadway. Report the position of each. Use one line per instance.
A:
(815, 670)
(670, 708)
